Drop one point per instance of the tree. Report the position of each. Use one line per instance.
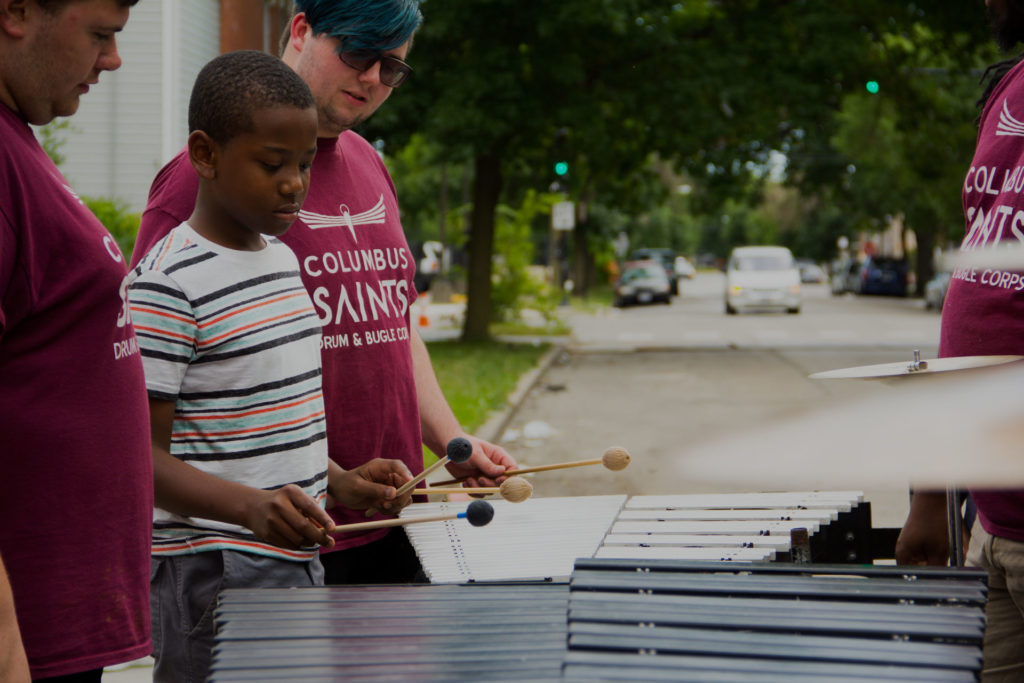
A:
(712, 87)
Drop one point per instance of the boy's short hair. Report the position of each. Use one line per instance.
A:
(234, 85)
(363, 24)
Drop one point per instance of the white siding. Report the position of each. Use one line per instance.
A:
(130, 124)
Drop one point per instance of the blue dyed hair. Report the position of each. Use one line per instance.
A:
(363, 24)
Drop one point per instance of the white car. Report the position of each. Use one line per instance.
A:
(684, 268)
(762, 278)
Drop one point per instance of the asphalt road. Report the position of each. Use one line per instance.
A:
(662, 380)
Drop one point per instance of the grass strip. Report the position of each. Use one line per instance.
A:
(478, 377)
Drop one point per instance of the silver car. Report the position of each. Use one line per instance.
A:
(762, 278)
(643, 283)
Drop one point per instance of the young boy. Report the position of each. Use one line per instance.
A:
(230, 344)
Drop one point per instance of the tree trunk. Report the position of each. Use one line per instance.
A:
(486, 190)
(580, 260)
(924, 266)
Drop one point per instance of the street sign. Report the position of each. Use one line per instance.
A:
(621, 244)
(563, 216)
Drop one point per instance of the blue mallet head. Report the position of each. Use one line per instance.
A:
(479, 513)
(458, 450)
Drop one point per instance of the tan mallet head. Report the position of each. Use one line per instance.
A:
(515, 489)
(615, 458)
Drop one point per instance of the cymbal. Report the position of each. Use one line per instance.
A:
(968, 431)
(915, 367)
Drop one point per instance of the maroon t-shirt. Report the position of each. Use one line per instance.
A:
(359, 271)
(76, 474)
(983, 313)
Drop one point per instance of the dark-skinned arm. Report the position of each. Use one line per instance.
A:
(286, 517)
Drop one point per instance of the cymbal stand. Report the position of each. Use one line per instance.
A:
(955, 521)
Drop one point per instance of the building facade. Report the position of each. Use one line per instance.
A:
(136, 119)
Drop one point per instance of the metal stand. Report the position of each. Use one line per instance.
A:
(955, 522)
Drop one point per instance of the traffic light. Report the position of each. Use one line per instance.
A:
(872, 87)
(561, 168)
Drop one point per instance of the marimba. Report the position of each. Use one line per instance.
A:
(542, 538)
(618, 620)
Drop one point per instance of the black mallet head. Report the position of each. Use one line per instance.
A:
(479, 513)
(458, 450)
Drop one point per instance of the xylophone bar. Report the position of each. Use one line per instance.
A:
(618, 620)
(818, 516)
(586, 667)
(697, 541)
(702, 553)
(540, 540)
(633, 619)
(408, 633)
(838, 524)
(842, 501)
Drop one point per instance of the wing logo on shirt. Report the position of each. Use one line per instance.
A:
(316, 221)
(1008, 125)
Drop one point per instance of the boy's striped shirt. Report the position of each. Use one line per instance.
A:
(232, 338)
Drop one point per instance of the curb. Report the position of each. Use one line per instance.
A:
(494, 427)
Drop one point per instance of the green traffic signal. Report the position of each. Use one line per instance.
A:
(871, 87)
(561, 168)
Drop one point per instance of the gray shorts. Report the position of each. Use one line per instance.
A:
(183, 596)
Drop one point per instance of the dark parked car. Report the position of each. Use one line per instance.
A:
(883, 275)
(642, 282)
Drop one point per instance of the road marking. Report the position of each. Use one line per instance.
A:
(836, 334)
(634, 336)
(702, 335)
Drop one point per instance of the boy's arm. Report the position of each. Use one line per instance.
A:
(372, 484)
(284, 516)
(13, 661)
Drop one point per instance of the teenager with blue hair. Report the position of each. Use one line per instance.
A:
(381, 395)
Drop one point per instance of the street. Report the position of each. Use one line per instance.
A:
(660, 380)
(696, 319)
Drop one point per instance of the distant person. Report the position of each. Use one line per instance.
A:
(381, 394)
(76, 492)
(231, 346)
(985, 316)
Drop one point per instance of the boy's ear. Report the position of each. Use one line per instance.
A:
(203, 152)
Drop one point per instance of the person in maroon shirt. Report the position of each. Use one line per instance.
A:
(983, 314)
(381, 394)
(76, 480)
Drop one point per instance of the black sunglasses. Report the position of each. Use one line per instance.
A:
(393, 71)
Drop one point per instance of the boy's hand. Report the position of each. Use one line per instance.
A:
(289, 518)
(487, 465)
(372, 484)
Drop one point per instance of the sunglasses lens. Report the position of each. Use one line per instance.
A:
(393, 72)
(360, 60)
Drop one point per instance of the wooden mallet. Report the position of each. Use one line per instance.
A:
(513, 489)
(458, 451)
(615, 458)
(478, 513)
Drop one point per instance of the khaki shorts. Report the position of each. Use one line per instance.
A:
(1003, 559)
